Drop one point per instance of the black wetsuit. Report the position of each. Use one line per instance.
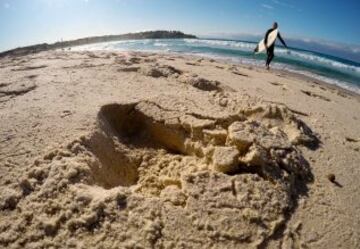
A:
(270, 50)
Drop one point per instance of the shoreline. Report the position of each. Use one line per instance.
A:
(313, 80)
(307, 62)
(299, 75)
(59, 46)
(309, 79)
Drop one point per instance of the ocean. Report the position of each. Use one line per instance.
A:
(333, 70)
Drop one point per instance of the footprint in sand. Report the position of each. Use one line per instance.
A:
(241, 74)
(161, 71)
(12, 90)
(311, 94)
(283, 87)
(192, 64)
(32, 76)
(27, 68)
(128, 69)
(276, 84)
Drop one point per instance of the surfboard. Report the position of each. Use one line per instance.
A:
(271, 40)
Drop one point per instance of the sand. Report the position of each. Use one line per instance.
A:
(141, 150)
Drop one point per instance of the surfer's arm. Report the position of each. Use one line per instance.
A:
(281, 39)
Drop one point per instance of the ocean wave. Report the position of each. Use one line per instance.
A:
(160, 44)
(307, 56)
(286, 53)
(288, 68)
(232, 44)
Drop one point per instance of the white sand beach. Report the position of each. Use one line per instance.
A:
(144, 150)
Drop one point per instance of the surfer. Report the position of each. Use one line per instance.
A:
(270, 49)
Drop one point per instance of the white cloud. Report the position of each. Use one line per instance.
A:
(356, 50)
(283, 3)
(276, 2)
(266, 6)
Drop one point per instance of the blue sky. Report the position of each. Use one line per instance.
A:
(331, 22)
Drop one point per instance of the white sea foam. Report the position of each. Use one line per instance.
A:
(233, 44)
(309, 57)
(288, 68)
(160, 44)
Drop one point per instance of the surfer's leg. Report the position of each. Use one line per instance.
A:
(268, 59)
(270, 53)
(271, 57)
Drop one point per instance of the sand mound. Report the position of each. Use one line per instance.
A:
(163, 173)
(160, 71)
(201, 83)
(166, 71)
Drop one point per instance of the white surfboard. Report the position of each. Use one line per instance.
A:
(271, 40)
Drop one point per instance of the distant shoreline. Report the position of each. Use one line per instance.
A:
(160, 34)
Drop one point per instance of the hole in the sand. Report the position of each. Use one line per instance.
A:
(118, 119)
(111, 167)
(126, 135)
(267, 174)
(137, 130)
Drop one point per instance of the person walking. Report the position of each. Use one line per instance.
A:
(271, 48)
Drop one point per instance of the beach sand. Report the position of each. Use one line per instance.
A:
(142, 150)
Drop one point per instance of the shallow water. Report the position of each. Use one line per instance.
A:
(333, 70)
